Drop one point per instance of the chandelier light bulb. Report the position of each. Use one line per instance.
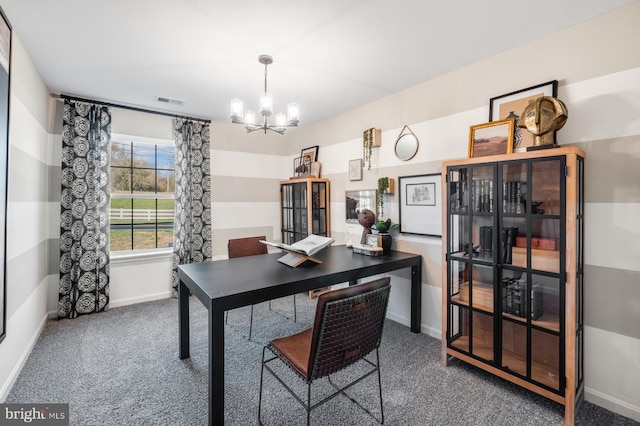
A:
(293, 113)
(250, 118)
(237, 108)
(266, 104)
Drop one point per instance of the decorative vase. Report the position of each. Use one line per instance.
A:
(386, 241)
(366, 218)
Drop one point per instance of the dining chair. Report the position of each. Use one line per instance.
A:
(250, 246)
(347, 327)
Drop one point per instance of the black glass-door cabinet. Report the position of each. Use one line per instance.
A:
(513, 269)
(305, 208)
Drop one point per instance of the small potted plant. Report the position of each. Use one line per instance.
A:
(370, 140)
(383, 227)
(383, 185)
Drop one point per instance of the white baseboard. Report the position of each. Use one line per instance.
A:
(6, 387)
(424, 329)
(612, 404)
(139, 299)
(125, 302)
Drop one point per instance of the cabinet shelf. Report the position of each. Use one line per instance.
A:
(540, 372)
(542, 260)
(515, 312)
(547, 322)
(482, 350)
(482, 294)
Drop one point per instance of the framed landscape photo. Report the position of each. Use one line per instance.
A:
(512, 104)
(492, 138)
(5, 68)
(420, 198)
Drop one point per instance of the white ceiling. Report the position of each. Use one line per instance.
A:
(330, 56)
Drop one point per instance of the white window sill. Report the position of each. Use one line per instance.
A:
(137, 255)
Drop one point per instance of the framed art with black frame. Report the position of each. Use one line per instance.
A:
(420, 199)
(311, 152)
(5, 72)
(512, 104)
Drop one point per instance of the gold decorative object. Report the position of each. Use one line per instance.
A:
(542, 118)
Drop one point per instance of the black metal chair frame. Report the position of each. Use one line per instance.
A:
(325, 351)
(226, 314)
(295, 316)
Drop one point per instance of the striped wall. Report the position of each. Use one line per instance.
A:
(28, 224)
(600, 83)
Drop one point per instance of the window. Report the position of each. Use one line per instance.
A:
(142, 187)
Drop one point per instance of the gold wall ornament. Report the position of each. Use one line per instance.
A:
(542, 118)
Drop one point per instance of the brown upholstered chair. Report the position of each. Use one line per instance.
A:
(348, 326)
(250, 246)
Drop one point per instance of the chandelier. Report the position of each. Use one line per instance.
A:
(290, 119)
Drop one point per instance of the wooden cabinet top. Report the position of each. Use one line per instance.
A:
(550, 152)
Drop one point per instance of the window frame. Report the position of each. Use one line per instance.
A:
(132, 254)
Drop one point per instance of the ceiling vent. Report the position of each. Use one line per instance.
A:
(165, 100)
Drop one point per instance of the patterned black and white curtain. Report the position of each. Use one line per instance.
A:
(192, 218)
(84, 209)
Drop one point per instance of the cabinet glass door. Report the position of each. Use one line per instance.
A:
(294, 212)
(286, 194)
(470, 245)
(531, 238)
(305, 209)
(319, 208)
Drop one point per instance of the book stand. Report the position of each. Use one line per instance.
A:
(295, 259)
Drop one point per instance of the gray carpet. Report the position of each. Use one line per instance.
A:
(121, 367)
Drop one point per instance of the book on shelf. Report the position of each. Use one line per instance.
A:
(486, 240)
(509, 235)
(308, 246)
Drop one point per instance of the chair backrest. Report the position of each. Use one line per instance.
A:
(250, 246)
(348, 326)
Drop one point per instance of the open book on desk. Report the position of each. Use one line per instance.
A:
(309, 246)
(301, 251)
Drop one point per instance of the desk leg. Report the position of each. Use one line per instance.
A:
(216, 366)
(416, 298)
(183, 319)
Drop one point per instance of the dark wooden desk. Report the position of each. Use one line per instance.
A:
(232, 283)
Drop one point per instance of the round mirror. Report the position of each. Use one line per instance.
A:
(406, 146)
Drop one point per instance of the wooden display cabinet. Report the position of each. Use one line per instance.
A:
(305, 208)
(513, 269)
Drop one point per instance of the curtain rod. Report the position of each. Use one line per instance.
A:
(132, 108)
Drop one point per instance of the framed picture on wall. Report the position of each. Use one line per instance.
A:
(420, 199)
(5, 69)
(492, 138)
(311, 153)
(355, 169)
(359, 199)
(512, 104)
